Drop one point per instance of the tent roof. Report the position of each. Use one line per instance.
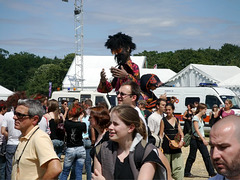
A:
(92, 66)
(232, 81)
(4, 93)
(163, 74)
(213, 72)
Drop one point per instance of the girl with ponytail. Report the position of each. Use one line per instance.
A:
(198, 142)
(127, 155)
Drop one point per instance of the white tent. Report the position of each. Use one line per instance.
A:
(163, 74)
(92, 66)
(4, 93)
(232, 83)
(194, 74)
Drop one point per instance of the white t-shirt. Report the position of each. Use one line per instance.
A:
(1, 136)
(9, 123)
(141, 116)
(44, 125)
(200, 126)
(154, 121)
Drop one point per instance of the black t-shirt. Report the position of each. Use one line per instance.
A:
(53, 128)
(122, 169)
(74, 132)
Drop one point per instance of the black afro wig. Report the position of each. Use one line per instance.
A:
(120, 40)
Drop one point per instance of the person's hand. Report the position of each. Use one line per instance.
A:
(103, 76)
(163, 96)
(118, 73)
(180, 145)
(205, 142)
(97, 175)
(66, 108)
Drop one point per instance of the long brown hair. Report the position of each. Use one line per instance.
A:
(54, 107)
(200, 107)
(129, 116)
(101, 115)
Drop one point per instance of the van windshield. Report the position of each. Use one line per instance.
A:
(235, 100)
(112, 99)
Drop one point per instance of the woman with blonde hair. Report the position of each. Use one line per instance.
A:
(226, 110)
(198, 141)
(127, 155)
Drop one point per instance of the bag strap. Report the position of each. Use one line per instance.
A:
(167, 137)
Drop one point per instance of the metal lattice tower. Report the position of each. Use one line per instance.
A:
(78, 20)
(77, 80)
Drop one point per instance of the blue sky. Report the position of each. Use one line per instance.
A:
(46, 27)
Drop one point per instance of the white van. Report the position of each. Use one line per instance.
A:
(207, 95)
(96, 97)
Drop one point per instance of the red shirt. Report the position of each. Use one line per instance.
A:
(108, 86)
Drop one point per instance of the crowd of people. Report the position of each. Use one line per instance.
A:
(140, 138)
(84, 135)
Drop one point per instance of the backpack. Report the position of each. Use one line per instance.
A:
(108, 154)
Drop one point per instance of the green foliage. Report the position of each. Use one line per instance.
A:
(30, 73)
(228, 55)
(27, 72)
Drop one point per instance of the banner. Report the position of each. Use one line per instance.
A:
(50, 89)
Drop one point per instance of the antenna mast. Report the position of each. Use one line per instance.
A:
(78, 20)
(77, 79)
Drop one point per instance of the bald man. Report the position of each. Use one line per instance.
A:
(225, 148)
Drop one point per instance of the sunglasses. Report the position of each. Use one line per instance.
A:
(116, 51)
(20, 115)
(122, 94)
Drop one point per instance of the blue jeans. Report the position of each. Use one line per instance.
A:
(10, 151)
(58, 147)
(87, 145)
(2, 165)
(77, 155)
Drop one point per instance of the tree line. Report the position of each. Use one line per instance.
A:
(27, 72)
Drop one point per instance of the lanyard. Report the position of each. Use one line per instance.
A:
(18, 160)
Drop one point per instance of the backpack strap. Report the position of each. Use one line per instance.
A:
(139, 154)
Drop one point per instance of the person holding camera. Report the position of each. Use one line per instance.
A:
(226, 110)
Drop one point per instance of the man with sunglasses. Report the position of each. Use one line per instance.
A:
(64, 108)
(35, 157)
(129, 94)
(121, 46)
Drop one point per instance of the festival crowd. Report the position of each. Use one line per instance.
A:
(140, 138)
